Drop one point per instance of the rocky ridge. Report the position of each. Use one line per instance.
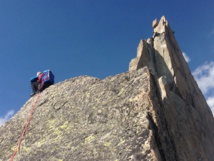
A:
(155, 111)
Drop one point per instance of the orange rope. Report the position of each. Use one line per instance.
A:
(25, 128)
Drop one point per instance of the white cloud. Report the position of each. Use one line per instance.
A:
(187, 58)
(204, 75)
(6, 117)
(210, 101)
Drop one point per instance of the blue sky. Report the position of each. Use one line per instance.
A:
(96, 38)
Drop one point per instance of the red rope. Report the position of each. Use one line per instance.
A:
(25, 128)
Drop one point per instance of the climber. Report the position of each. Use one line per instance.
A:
(41, 81)
(36, 83)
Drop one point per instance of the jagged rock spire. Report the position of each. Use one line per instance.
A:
(162, 55)
(161, 26)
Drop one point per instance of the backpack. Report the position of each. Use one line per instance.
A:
(47, 77)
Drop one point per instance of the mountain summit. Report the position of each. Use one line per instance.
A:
(155, 112)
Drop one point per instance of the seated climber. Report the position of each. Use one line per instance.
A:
(42, 81)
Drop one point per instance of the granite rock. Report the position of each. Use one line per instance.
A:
(153, 112)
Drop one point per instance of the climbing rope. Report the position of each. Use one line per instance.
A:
(25, 127)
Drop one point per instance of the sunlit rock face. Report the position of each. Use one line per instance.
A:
(188, 119)
(155, 112)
